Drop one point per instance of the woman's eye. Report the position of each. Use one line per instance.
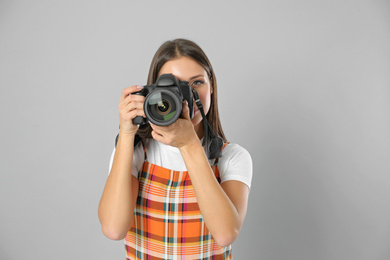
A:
(197, 83)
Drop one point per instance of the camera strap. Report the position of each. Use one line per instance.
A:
(213, 143)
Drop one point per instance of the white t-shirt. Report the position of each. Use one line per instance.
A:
(235, 163)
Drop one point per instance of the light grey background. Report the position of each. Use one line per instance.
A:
(304, 86)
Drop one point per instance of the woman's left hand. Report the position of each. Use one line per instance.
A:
(178, 134)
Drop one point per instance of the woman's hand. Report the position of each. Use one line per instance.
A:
(129, 107)
(178, 134)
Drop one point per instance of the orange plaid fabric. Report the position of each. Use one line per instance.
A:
(167, 221)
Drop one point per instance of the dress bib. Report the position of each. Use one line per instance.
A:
(167, 222)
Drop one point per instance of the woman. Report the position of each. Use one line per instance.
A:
(176, 203)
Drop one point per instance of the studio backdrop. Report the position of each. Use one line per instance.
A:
(303, 85)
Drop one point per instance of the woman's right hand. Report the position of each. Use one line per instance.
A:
(130, 106)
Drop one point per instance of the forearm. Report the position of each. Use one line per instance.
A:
(117, 203)
(218, 211)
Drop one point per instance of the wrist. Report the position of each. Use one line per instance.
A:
(127, 133)
(191, 146)
(125, 138)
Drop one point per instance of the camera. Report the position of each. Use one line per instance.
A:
(163, 101)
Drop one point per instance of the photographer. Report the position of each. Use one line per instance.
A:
(176, 192)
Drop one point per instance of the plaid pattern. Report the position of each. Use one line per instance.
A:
(167, 222)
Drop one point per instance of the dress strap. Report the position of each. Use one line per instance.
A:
(216, 160)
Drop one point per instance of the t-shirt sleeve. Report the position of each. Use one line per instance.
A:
(235, 164)
(138, 159)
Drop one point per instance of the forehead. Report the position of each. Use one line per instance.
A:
(183, 68)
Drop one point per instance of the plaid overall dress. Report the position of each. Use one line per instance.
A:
(167, 220)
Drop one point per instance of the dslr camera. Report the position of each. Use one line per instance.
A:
(163, 101)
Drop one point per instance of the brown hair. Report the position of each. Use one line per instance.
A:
(178, 48)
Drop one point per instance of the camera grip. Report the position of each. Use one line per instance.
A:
(139, 120)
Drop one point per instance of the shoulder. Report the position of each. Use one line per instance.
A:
(234, 151)
(235, 164)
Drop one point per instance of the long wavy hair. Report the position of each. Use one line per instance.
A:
(175, 49)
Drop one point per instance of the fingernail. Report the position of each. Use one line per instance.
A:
(140, 87)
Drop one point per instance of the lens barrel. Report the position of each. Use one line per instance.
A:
(163, 106)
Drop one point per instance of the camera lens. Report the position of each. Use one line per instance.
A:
(162, 107)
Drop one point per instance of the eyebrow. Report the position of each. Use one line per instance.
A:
(194, 77)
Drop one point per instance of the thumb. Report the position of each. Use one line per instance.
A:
(185, 114)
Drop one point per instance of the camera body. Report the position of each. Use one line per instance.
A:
(163, 101)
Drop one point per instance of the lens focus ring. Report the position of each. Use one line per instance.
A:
(162, 107)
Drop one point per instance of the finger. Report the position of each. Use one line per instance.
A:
(130, 99)
(185, 111)
(129, 90)
(134, 98)
(156, 136)
(153, 126)
(132, 114)
(133, 106)
(159, 129)
(137, 113)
